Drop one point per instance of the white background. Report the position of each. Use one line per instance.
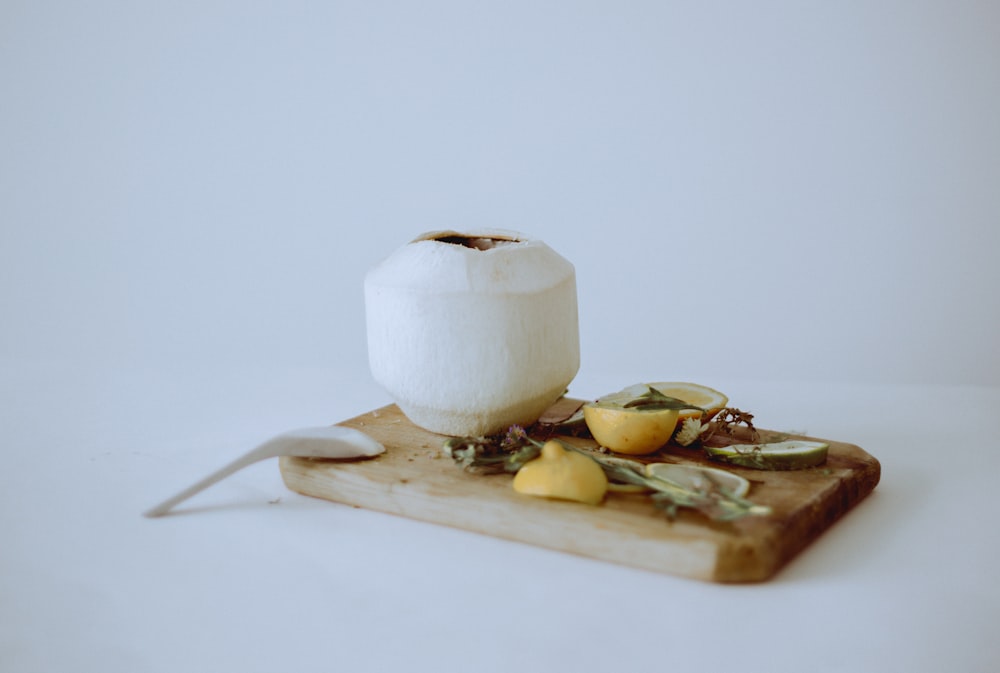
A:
(782, 190)
(796, 202)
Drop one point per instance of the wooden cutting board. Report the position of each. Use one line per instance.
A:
(413, 478)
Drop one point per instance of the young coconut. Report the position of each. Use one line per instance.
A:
(472, 333)
(564, 475)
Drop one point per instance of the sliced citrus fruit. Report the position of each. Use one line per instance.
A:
(698, 478)
(795, 454)
(703, 397)
(629, 430)
(642, 418)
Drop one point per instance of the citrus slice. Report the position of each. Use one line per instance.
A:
(795, 454)
(697, 478)
(633, 431)
(709, 399)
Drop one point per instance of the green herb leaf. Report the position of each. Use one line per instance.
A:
(501, 453)
(654, 400)
(713, 500)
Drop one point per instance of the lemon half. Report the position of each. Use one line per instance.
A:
(629, 431)
(619, 424)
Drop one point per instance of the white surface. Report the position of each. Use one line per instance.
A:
(795, 203)
(248, 576)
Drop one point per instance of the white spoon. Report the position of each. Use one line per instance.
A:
(332, 441)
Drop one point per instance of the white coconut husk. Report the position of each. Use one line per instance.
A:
(469, 341)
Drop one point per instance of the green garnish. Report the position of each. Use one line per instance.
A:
(713, 500)
(654, 400)
(497, 453)
(509, 451)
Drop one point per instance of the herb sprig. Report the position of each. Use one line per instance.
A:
(494, 454)
(728, 421)
(654, 400)
(708, 497)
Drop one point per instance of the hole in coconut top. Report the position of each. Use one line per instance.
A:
(476, 242)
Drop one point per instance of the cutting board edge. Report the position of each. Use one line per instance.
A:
(837, 503)
(692, 557)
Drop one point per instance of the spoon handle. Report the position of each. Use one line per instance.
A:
(328, 441)
(218, 475)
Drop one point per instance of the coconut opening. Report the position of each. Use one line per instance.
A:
(476, 242)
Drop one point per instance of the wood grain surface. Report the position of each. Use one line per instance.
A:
(414, 478)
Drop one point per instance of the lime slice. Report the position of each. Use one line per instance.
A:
(699, 478)
(795, 454)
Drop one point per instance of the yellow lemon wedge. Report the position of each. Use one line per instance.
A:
(564, 475)
(632, 431)
(709, 399)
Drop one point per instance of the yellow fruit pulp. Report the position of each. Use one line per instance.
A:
(630, 431)
(565, 475)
